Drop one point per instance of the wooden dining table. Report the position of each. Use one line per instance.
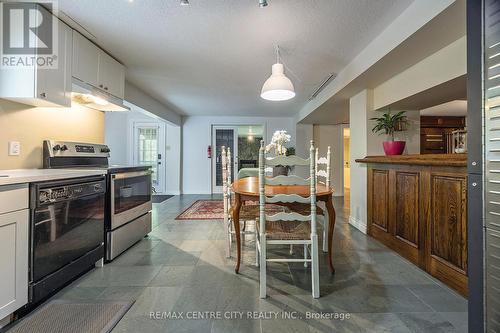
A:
(247, 189)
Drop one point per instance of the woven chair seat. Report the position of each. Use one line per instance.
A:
(252, 212)
(287, 230)
(305, 209)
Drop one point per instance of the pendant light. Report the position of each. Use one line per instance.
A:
(278, 87)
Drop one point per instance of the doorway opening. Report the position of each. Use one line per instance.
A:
(347, 173)
(149, 145)
(244, 143)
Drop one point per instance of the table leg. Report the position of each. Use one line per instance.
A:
(331, 226)
(236, 224)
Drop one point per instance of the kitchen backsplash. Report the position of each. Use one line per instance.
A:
(31, 125)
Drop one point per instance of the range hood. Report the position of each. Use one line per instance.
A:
(91, 97)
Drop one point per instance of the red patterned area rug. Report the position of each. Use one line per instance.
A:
(203, 210)
(214, 210)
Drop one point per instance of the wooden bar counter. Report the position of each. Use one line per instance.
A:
(417, 206)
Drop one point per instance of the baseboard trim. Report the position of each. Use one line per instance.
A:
(360, 225)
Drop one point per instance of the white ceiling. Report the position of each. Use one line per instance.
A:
(212, 57)
(454, 108)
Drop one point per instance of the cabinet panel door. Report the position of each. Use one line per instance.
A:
(13, 261)
(407, 207)
(54, 85)
(111, 75)
(85, 59)
(447, 230)
(380, 200)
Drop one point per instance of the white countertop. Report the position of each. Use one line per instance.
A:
(20, 176)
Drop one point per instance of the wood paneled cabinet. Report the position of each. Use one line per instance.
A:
(421, 213)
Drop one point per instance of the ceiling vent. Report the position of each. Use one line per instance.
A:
(322, 86)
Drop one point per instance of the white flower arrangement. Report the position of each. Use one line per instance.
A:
(278, 142)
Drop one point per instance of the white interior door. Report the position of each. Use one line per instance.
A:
(149, 149)
(226, 136)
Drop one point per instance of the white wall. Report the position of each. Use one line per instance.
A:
(333, 136)
(304, 134)
(142, 100)
(118, 135)
(197, 136)
(173, 159)
(446, 64)
(360, 107)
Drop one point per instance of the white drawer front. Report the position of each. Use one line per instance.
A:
(13, 197)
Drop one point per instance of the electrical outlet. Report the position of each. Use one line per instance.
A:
(14, 148)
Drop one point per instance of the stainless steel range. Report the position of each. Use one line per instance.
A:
(128, 200)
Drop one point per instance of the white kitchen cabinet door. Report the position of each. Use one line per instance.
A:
(111, 75)
(85, 59)
(39, 86)
(13, 261)
(54, 85)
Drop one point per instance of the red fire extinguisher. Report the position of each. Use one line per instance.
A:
(209, 152)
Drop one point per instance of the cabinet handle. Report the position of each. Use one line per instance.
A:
(43, 95)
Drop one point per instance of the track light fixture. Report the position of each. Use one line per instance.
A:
(262, 3)
(184, 2)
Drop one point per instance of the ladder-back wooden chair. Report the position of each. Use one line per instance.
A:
(287, 228)
(323, 172)
(247, 212)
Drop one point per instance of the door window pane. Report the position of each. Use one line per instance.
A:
(148, 150)
(223, 137)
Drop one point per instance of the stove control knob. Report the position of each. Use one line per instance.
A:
(105, 150)
(64, 147)
(57, 147)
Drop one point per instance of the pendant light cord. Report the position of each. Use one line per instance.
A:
(279, 61)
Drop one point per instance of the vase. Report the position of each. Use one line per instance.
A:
(280, 170)
(394, 147)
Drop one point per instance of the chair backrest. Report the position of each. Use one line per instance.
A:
(323, 167)
(287, 180)
(226, 178)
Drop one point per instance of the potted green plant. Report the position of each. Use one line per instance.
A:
(388, 124)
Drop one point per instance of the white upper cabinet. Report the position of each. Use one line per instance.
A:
(85, 59)
(39, 85)
(111, 75)
(95, 67)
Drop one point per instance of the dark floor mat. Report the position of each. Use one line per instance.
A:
(69, 317)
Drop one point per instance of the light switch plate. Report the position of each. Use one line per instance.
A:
(14, 148)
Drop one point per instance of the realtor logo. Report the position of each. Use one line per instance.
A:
(29, 35)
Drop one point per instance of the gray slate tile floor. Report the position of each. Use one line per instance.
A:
(182, 267)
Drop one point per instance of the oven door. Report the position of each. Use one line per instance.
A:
(66, 229)
(130, 196)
